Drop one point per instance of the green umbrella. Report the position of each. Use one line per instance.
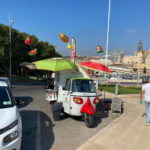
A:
(55, 64)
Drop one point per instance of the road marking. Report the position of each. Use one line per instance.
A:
(38, 134)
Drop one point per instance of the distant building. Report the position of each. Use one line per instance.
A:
(115, 57)
(140, 60)
(80, 58)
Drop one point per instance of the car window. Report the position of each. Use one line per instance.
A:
(5, 98)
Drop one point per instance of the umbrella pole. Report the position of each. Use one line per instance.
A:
(47, 79)
(73, 53)
(57, 78)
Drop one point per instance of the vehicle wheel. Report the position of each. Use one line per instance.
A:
(56, 115)
(56, 110)
(89, 120)
(51, 107)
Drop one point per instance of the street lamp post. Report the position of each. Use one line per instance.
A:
(107, 40)
(10, 50)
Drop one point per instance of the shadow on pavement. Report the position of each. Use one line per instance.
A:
(64, 116)
(23, 101)
(37, 130)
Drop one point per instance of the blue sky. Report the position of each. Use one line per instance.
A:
(86, 20)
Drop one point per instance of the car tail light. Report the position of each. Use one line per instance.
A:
(78, 100)
(96, 100)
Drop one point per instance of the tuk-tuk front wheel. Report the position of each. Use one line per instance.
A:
(56, 111)
(56, 115)
(89, 120)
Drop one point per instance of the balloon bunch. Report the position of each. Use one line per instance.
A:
(28, 42)
(32, 52)
(65, 39)
(99, 49)
(69, 46)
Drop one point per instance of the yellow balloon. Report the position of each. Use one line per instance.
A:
(63, 38)
(69, 46)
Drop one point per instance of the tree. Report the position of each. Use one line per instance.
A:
(144, 70)
(20, 50)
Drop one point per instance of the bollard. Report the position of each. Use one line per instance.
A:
(116, 89)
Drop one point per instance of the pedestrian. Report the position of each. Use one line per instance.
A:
(145, 95)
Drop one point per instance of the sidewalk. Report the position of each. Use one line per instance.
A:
(128, 132)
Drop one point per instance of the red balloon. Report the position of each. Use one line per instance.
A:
(27, 40)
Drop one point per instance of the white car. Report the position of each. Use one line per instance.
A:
(10, 120)
(113, 78)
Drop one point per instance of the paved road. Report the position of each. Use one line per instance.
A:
(40, 132)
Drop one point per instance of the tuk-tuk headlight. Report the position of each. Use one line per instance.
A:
(96, 100)
(10, 137)
(78, 100)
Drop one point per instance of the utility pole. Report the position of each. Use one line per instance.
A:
(10, 50)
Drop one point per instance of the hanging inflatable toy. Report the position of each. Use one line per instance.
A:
(99, 49)
(27, 40)
(69, 46)
(32, 52)
(63, 38)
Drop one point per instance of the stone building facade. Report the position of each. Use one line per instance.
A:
(140, 61)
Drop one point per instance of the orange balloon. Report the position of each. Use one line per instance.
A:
(63, 38)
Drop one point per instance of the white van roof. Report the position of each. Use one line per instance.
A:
(3, 83)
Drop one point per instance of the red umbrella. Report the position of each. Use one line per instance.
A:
(95, 66)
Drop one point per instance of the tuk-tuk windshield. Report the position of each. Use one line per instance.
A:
(83, 85)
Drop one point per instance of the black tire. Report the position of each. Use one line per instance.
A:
(56, 111)
(56, 115)
(89, 120)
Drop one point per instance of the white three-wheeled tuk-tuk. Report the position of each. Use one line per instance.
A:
(73, 95)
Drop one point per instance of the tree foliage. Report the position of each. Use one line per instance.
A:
(144, 70)
(20, 50)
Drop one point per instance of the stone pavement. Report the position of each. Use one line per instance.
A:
(127, 132)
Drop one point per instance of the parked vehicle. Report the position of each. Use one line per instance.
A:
(75, 96)
(145, 78)
(6, 80)
(10, 120)
(128, 77)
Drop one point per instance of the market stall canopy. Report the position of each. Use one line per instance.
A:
(55, 64)
(31, 66)
(119, 69)
(95, 66)
(28, 65)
